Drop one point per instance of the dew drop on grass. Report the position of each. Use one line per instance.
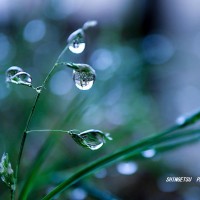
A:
(12, 71)
(92, 139)
(83, 80)
(76, 41)
(89, 139)
(21, 78)
(77, 47)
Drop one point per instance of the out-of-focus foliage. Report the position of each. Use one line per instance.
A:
(147, 73)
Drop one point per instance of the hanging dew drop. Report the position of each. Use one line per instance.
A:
(22, 78)
(76, 41)
(92, 139)
(11, 72)
(83, 80)
(77, 47)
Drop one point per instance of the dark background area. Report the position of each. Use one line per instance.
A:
(146, 55)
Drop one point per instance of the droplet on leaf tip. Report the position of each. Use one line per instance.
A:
(12, 71)
(83, 80)
(92, 139)
(22, 78)
(84, 77)
(16, 75)
(76, 41)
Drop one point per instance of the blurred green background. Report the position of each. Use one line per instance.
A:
(146, 55)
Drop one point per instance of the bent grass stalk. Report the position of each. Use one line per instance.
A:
(31, 115)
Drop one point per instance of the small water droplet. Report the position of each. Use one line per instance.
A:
(149, 153)
(12, 71)
(77, 47)
(83, 80)
(76, 41)
(39, 89)
(21, 78)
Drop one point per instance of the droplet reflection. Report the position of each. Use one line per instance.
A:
(76, 47)
(12, 71)
(76, 41)
(21, 78)
(83, 80)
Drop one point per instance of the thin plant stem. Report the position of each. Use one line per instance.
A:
(24, 136)
(33, 110)
(42, 156)
(48, 130)
(36, 165)
(11, 194)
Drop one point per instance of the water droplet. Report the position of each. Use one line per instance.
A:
(149, 153)
(76, 41)
(127, 168)
(39, 89)
(77, 47)
(92, 139)
(22, 78)
(12, 71)
(84, 80)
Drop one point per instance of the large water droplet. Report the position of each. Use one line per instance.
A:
(21, 78)
(77, 47)
(83, 80)
(92, 139)
(11, 72)
(76, 41)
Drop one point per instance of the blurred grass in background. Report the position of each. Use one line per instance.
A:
(146, 56)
